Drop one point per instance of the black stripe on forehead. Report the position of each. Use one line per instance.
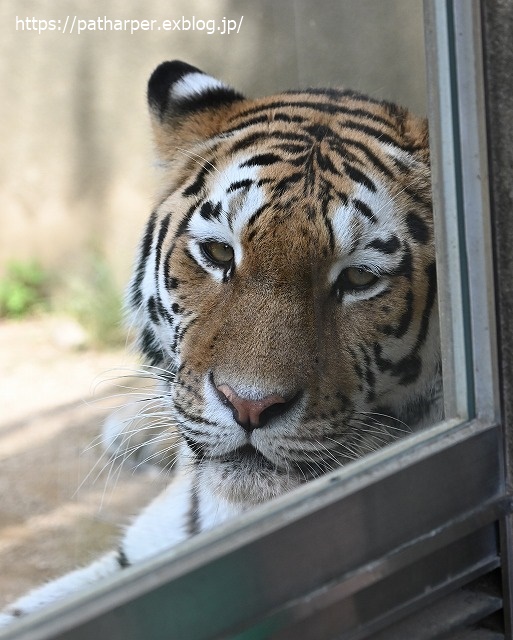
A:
(239, 184)
(331, 108)
(285, 117)
(388, 246)
(209, 211)
(290, 147)
(281, 187)
(389, 137)
(364, 209)
(320, 132)
(358, 176)
(301, 140)
(262, 160)
(370, 131)
(265, 136)
(198, 184)
(369, 155)
(248, 123)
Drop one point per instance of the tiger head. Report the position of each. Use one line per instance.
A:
(285, 285)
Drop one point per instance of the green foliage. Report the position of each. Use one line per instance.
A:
(24, 289)
(96, 302)
(88, 293)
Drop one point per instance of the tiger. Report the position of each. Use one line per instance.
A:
(284, 296)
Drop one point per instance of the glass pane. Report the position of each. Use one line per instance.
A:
(329, 346)
(461, 209)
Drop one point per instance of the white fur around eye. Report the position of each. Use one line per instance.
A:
(366, 294)
(217, 273)
(236, 211)
(204, 230)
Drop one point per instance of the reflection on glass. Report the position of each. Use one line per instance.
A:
(283, 296)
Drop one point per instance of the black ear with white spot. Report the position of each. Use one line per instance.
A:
(177, 89)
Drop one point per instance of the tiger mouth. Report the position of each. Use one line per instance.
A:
(248, 455)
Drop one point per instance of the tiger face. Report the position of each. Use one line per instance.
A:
(285, 285)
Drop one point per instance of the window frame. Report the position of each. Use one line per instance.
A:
(414, 516)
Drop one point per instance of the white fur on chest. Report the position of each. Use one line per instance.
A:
(167, 520)
(213, 509)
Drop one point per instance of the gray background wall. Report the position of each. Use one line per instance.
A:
(75, 167)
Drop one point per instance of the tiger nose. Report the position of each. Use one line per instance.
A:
(252, 414)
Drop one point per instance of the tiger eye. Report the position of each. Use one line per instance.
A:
(219, 253)
(359, 278)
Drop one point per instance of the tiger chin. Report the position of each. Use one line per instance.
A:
(284, 295)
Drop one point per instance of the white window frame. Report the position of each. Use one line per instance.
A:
(358, 549)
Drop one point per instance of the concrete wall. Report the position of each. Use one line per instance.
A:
(75, 167)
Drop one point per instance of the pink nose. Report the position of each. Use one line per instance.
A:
(251, 414)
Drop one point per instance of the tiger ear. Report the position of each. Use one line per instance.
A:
(414, 133)
(186, 106)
